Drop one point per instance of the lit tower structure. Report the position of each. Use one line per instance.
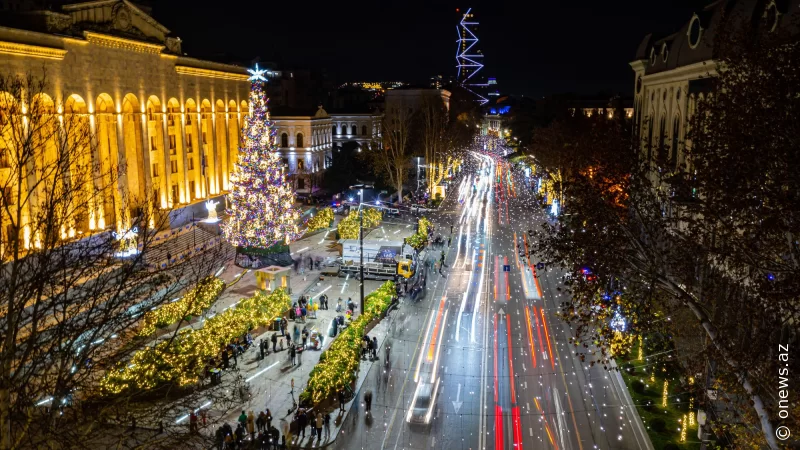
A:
(469, 57)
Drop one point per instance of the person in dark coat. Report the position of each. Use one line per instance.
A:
(368, 400)
(302, 422)
(292, 354)
(374, 347)
(341, 401)
(274, 341)
(261, 347)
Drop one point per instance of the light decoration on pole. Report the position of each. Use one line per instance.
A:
(691, 404)
(664, 395)
(683, 428)
(641, 348)
(127, 242)
(261, 213)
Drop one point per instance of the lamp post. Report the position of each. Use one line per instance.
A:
(361, 244)
(418, 158)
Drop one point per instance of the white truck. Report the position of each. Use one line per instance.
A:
(382, 259)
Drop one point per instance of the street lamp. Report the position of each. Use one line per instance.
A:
(418, 158)
(361, 244)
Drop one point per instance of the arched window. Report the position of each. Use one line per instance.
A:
(662, 134)
(676, 126)
(353, 130)
(650, 138)
(300, 140)
(333, 131)
(284, 140)
(363, 130)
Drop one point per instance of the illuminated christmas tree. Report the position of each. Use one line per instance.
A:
(260, 213)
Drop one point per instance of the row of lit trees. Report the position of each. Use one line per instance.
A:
(714, 245)
(434, 131)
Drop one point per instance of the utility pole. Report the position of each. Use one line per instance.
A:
(361, 244)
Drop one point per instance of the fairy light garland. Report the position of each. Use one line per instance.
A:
(181, 360)
(260, 213)
(193, 303)
(338, 364)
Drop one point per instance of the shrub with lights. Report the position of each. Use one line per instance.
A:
(193, 303)
(348, 227)
(322, 219)
(181, 360)
(338, 364)
(420, 239)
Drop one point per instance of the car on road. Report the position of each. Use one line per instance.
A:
(422, 407)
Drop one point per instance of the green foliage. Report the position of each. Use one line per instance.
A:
(322, 219)
(193, 303)
(349, 226)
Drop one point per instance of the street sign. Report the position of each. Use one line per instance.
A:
(507, 268)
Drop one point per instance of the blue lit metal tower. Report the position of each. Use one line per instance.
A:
(468, 56)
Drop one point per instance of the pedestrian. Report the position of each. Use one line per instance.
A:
(374, 347)
(239, 435)
(260, 421)
(261, 347)
(192, 422)
(203, 417)
(292, 353)
(219, 438)
(302, 422)
(268, 419)
(225, 359)
(300, 356)
(449, 240)
(305, 337)
(364, 348)
(451, 230)
(274, 341)
(368, 400)
(341, 400)
(251, 425)
(319, 425)
(230, 444)
(235, 358)
(327, 423)
(242, 419)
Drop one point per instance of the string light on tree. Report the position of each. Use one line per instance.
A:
(260, 213)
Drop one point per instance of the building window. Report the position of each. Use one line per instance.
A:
(285, 162)
(188, 119)
(301, 165)
(191, 190)
(172, 144)
(353, 130)
(695, 32)
(300, 140)
(363, 130)
(153, 146)
(205, 138)
(676, 126)
(156, 197)
(8, 196)
(333, 131)
(301, 183)
(175, 194)
(284, 140)
(189, 144)
(173, 165)
(191, 163)
(155, 170)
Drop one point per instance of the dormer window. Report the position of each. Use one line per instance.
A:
(695, 32)
(653, 56)
(664, 52)
(772, 16)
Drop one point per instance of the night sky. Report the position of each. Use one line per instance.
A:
(532, 47)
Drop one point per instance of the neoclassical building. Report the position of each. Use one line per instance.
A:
(304, 139)
(171, 121)
(672, 72)
(361, 128)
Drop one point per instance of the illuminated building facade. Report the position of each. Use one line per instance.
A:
(304, 139)
(171, 122)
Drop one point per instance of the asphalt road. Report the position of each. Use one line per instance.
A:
(507, 377)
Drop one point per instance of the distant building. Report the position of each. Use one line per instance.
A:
(303, 136)
(375, 86)
(360, 127)
(412, 98)
(602, 106)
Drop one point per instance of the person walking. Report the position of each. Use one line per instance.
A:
(374, 347)
(302, 422)
(243, 419)
(268, 419)
(341, 401)
(318, 424)
(327, 423)
(261, 347)
(274, 341)
(292, 353)
(368, 400)
(251, 425)
(261, 421)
